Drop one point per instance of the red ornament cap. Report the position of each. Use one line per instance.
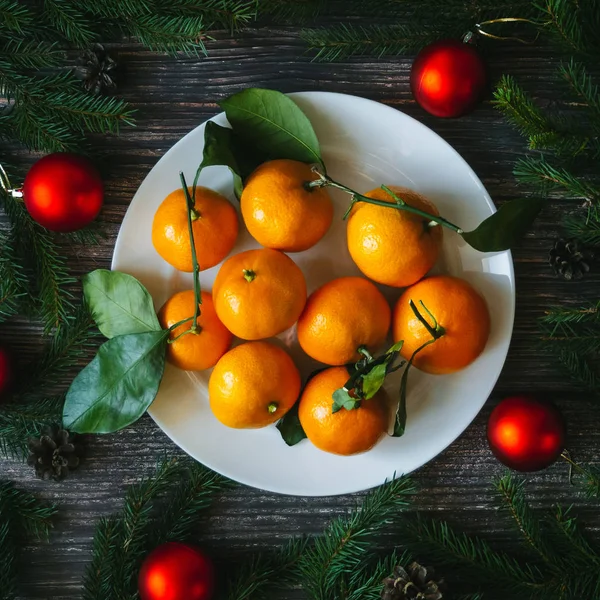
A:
(448, 78)
(176, 571)
(63, 192)
(526, 434)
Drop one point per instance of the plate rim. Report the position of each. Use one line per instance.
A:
(349, 489)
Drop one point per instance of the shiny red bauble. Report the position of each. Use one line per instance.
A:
(176, 571)
(6, 373)
(448, 78)
(526, 434)
(63, 192)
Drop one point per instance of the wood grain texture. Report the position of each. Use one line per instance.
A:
(172, 97)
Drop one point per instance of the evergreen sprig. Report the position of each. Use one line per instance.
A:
(573, 334)
(122, 541)
(263, 573)
(346, 40)
(334, 563)
(32, 406)
(21, 515)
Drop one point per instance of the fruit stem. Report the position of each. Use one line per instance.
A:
(249, 275)
(437, 331)
(399, 204)
(195, 214)
(195, 265)
(272, 408)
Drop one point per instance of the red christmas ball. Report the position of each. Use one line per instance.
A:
(176, 571)
(526, 434)
(63, 192)
(448, 78)
(6, 373)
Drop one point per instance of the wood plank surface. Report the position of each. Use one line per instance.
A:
(172, 97)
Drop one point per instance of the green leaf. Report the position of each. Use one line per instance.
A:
(119, 303)
(117, 387)
(219, 150)
(290, 428)
(342, 399)
(374, 379)
(400, 419)
(506, 227)
(272, 122)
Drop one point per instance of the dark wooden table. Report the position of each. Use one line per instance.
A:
(172, 97)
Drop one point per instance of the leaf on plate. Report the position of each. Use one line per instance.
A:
(505, 227)
(290, 428)
(119, 303)
(274, 124)
(120, 383)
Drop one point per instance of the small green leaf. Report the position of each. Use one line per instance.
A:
(272, 122)
(396, 347)
(374, 379)
(290, 428)
(119, 303)
(120, 383)
(400, 419)
(505, 227)
(342, 399)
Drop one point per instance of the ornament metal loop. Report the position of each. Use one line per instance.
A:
(480, 31)
(6, 185)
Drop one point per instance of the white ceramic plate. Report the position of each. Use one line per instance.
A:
(364, 144)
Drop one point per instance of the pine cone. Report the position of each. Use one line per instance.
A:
(54, 454)
(413, 583)
(570, 258)
(97, 70)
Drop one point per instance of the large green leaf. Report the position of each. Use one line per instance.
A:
(506, 227)
(117, 387)
(273, 123)
(223, 147)
(119, 303)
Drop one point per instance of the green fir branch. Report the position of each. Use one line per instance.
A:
(291, 11)
(572, 23)
(324, 567)
(225, 14)
(91, 235)
(29, 54)
(14, 284)
(511, 493)
(543, 131)
(545, 176)
(580, 81)
(70, 345)
(35, 517)
(572, 544)
(347, 40)
(472, 558)
(21, 515)
(121, 542)
(72, 23)
(264, 573)
(19, 422)
(587, 231)
(171, 34)
(366, 582)
(14, 16)
(580, 369)
(40, 255)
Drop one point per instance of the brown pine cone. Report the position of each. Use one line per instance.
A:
(54, 454)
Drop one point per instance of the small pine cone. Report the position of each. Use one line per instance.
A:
(570, 258)
(54, 454)
(413, 583)
(97, 70)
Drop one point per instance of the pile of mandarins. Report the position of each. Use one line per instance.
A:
(259, 294)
